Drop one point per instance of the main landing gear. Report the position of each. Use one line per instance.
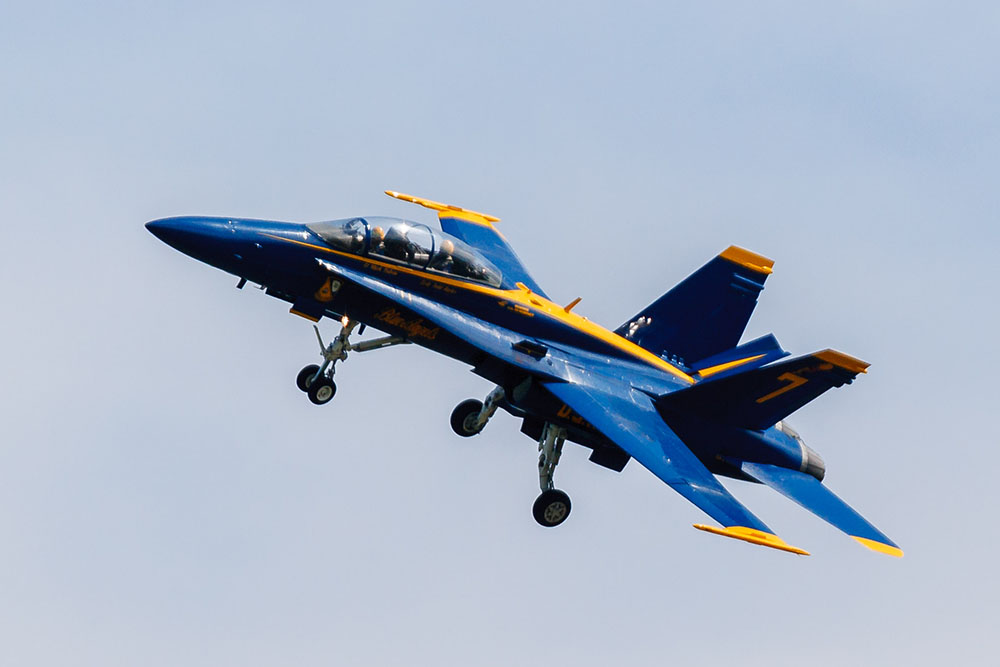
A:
(552, 507)
(317, 380)
(470, 417)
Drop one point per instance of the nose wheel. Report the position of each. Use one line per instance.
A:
(306, 377)
(322, 391)
(318, 386)
(317, 380)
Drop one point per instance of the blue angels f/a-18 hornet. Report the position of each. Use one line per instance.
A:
(672, 387)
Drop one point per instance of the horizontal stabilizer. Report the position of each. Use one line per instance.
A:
(750, 355)
(706, 313)
(759, 398)
(810, 493)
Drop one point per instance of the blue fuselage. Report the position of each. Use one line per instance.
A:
(288, 260)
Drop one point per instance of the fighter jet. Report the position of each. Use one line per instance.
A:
(673, 387)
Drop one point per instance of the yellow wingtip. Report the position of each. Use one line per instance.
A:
(748, 258)
(446, 210)
(753, 537)
(879, 547)
(845, 361)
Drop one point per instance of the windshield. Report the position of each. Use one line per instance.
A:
(347, 235)
(408, 243)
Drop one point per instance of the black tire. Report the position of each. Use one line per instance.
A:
(551, 508)
(304, 377)
(322, 391)
(461, 415)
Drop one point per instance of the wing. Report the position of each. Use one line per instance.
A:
(477, 230)
(810, 493)
(632, 423)
(499, 343)
(759, 398)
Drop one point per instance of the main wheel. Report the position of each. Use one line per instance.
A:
(463, 418)
(321, 391)
(305, 376)
(551, 508)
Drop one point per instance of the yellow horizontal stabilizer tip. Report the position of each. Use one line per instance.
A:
(879, 547)
(845, 361)
(749, 259)
(712, 370)
(753, 536)
(445, 209)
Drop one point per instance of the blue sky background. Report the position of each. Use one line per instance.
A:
(168, 497)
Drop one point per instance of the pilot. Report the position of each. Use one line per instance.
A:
(444, 260)
(355, 230)
(397, 245)
(378, 240)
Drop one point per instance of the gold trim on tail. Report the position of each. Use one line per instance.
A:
(748, 258)
(845, 361)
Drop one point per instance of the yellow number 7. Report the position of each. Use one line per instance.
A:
(793, 381)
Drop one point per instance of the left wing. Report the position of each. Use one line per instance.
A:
(632, 423)
(502, 344)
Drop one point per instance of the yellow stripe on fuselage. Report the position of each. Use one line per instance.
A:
(524, 298)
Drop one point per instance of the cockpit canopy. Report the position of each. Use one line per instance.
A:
(409, 243)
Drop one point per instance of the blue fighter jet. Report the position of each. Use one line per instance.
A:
(672, 387)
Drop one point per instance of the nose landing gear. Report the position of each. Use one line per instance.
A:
(317, 380)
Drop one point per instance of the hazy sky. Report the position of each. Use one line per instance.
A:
(168, 497)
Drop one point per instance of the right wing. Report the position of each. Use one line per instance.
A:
(477, 230)
(811, 494)
(632, 423)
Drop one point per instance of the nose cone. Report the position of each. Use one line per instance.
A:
(215, 241)
(181, 233)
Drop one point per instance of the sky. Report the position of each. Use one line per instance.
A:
(168, 497)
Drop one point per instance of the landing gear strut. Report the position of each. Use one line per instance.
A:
(317, 380)
(552, 507)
